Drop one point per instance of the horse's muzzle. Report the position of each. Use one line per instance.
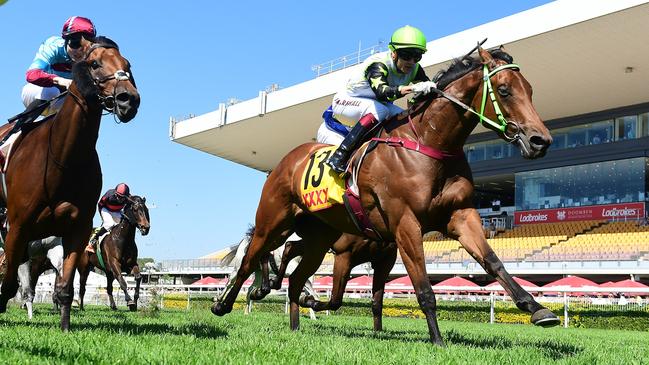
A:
(126, 105)
(535, 146)
(144, 230)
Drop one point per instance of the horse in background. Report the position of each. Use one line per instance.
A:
(413, 178)
(44, 254)
(255, 291)
(117, 252)
(53, 178)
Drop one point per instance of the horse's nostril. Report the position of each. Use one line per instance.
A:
(538, 140)
(123, 97)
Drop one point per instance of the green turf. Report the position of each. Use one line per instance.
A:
(198, 337)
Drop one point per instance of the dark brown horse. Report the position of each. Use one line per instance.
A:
(351, 251)
(418, 181)
(119, 253)
(54, 178)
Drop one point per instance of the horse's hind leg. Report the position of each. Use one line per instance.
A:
(26, 289)
(382, 266)
(84, 271)
(261, 287)
(465, 224)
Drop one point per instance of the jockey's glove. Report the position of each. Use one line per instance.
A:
(424, 87)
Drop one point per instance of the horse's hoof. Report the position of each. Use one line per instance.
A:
(259, 294)
(220, 309)
(275, 284)
(113, 308)
(132, 307)
(305, 301)
(545, 318)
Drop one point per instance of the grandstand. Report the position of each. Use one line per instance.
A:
(579, 210)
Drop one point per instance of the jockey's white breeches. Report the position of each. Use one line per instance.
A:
(328, 135)
(32, 92)
(109, 219)
(349, 109)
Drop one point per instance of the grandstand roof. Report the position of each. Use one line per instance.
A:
(580, 57)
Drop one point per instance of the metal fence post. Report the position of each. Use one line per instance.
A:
(188, 293)
(565, 310)
(492, 311)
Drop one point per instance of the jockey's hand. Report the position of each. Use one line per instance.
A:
(61, 81)
(424, 87)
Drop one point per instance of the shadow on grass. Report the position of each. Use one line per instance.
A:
(124, 325)
(549, 348)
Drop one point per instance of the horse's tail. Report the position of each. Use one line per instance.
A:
(234, 249)
(227, 259)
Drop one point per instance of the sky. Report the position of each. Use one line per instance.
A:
(189, 56)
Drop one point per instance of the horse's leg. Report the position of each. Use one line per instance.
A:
(55, 255)
(84, 271)
(308, 289)
(138, 279)
(15, 249)
(311, 260)
(72, 250)
(382, 266)
(409, 239)
(261, 286)
(109, 290)
(466, 226)
(292, 249)
(341, 271)
(269, 234)
(25, 272)
(116, 268)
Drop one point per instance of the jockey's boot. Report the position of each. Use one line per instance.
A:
(90, 248)
(338, 161)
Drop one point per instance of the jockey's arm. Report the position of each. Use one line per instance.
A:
(377, 75)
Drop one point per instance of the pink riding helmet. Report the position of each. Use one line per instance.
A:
(78, 24)
(122, 189)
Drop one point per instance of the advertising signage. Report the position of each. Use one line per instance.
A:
(609, 212)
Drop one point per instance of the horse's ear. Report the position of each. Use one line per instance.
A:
(502, 48)
(144, 199)
(485, 56)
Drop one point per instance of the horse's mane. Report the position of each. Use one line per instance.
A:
(462, 66)
(81, 72)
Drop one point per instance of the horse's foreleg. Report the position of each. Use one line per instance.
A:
(84, 271)
(14, 252)
(138, 279)
(109, 290)
(72, 249)
(292, 249)
(466, 226)
(382, 267)
(116, 268)
(409, 240)
(342, 269)
(308, 265)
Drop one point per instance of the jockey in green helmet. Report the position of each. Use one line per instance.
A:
(367, 98)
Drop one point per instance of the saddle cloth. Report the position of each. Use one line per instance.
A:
(321, 187)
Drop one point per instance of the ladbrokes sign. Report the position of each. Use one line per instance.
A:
(611, 211)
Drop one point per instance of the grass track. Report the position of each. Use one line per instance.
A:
(180, 337)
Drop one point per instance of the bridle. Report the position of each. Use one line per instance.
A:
(107, 102)
(509, 129)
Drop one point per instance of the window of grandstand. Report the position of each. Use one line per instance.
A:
(609, 182)
(598, 132)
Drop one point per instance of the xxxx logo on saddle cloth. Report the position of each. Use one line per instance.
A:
(321, 187)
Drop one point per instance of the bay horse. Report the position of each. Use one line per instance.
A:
(415, 179)
(350, 251)
(53, 179)
(119, 253)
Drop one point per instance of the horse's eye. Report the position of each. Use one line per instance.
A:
(95, 65)
(503, 91)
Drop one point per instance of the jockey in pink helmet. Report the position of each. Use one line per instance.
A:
(110, 209)
(51, 70)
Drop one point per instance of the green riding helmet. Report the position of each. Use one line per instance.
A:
(407, 37)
